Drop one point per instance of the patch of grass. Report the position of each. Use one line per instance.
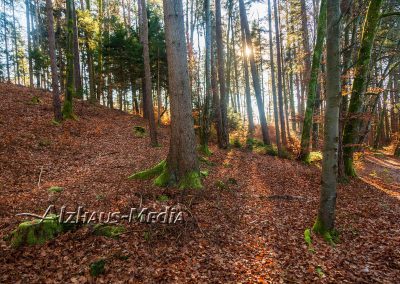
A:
(236, 143)
(97, 267)
(204, 173)
(55, 122)
(55, 189)
(319, 271)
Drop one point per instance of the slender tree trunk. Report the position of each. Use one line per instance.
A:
(17, 71)
(359, 84)
(256, 80)
(306, 44)
(247, 89)
(279, 75)
(221, 77)
(77, 65)
(312, 86)
(70, 88)
(100, 78)
(28, 30)
(205, 127)
(274, 97)
(324, 224)
(53, 62)
(144, 33)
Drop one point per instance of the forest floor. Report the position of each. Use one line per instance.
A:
(246, 225)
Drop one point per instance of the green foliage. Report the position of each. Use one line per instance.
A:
(307, 239)
(319, 228)
(204, 173)
(220, 185)
(55, 189)
(234, 120)
(97, 267)
(35, 100)
(204, 150)
(110, 231)
(236, 143)
(319, 271)
(313, 157)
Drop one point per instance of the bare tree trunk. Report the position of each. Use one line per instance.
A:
(221, 77)
(324, 224)
(256, 80)
(77, 65)
(53, 62)
(144, 33)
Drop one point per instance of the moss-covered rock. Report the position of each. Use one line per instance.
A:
(110, 231)
(36, 231)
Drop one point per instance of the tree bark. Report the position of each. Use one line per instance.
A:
(144, 34)
(221, 77)
(181, 165)
(326, 214)
(312, 85)
(359, 84)
(256, 80)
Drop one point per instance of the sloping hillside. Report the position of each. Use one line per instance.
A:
(246, 225)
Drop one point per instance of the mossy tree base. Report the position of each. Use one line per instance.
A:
(320, 229)
(164, 177)
(203, 149)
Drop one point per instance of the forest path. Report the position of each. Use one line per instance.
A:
(248, 222)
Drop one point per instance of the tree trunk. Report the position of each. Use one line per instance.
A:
(181, 165)
(28, 30)
(324, 224)
(144, 33)
(312, 85)
(205, 127)
(77, 65)
(279, 75)
(359, 84)
(306, 44)
(256, 80)
(221, 77)
(53, 62)
(275, 100)
(70, 88)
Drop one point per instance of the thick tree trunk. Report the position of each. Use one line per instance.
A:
(326, 213)
(144, 34)
(181, 165)
(256, 80)
(359, 84)
(312, 86)
(53, 62)
(221, 77)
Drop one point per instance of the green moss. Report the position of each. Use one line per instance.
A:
(204, 173)
(220, 184)
(55, 189)
(35, 100)
(150, 173)
(67, 110)
(44, 142)
(191, 180)
(36, 231)
(55, 122)
(97, 267)
(308, 240)
(109, 231)
(164, 179)
(319, 271)
(320, 229)
(163, 198)
(203, 149)
(139, 131)
(206, 161)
